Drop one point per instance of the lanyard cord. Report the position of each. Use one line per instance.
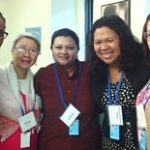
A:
(60, 87)
(23, 96)
(116, 90)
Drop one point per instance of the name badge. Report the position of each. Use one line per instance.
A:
(115, 132)
(143, 140)
(25, 140)
(27, 122)
(141, 121)
(74, 128)
(115, 115)
(70, 114)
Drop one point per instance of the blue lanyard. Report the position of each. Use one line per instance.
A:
(23, 112)
(116, 91)
(60, 87)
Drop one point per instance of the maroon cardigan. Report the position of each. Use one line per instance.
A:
(54, 134)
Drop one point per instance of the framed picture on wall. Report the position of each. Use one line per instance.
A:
(120, 8)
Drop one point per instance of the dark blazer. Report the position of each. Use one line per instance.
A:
(138, 78)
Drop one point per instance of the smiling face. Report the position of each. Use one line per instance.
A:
(106, 45)
(23, 60)
(64, 50)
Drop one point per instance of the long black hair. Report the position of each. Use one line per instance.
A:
(131, 49)
(144, 42)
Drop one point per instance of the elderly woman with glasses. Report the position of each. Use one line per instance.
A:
(3, 34)
(20, 107)
(143, 98)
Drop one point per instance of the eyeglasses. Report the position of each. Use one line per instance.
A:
(33, 52)
(147, 36)
(3, 34)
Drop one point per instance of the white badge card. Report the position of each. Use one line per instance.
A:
(25, 140)
(141, 121)
(115, 115)
(70, 114)
(27, 122)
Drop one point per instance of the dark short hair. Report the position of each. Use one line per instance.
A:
(1, 16)
(65, 32)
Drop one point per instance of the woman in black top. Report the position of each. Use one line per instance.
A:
(118, 73)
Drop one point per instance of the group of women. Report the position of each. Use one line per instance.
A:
(74, 105)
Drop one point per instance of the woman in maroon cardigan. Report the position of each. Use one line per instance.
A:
(70, 121)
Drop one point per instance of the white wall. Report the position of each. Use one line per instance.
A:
(137, 13)
(50, 15)
(69, 14)
(23, 14)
